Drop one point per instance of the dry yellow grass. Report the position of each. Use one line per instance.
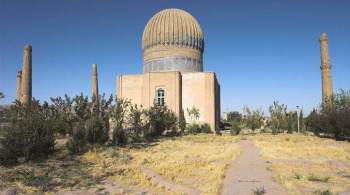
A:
(196, 161)
(305, 164)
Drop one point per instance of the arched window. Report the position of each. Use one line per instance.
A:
(160, 97)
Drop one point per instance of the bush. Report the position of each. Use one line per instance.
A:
(235, 128)
(118, 117)
(205, 128)
(29, 133)
(253, 118)
(182, 121)
(64, 117)
(279, 119)
(195, 128)
(160, 119)
(333, 118)
(120, 136)
(77, 139)
(95, 130)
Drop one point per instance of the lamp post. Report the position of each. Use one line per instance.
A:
(298, 113)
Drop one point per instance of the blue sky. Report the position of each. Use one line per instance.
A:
(261, 50)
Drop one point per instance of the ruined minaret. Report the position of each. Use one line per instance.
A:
(18, 86)
(327, 84)
(26, 79)
(94, 82)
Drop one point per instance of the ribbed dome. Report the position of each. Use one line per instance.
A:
(173, 27)
(172, 41)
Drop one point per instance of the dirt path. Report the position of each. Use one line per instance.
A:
(168, 185)
(248, 173)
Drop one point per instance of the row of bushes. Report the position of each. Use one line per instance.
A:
(31, 129)
(332, 118)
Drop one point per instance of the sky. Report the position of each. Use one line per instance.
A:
(261, 51)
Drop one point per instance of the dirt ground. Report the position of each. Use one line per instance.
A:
(249, 174)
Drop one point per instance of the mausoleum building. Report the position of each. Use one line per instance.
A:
(173, 46)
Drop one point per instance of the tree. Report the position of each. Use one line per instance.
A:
(253, 118)
(29, 133)
(182, 121)
(292, 121)
(160, 119)
(301, 121)
(278, 113)
(119, 116)
(64, 119)
(2, 95)
(135, 120)
(234, 116)
(235, 120)
(333, 119)
(311, 122)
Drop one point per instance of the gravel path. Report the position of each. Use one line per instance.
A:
(248, 173)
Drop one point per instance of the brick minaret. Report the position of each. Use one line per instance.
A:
(26, 81)
(94, 82)
(326, 67)
(18, 86)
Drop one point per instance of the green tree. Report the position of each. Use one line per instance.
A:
(334, 118)
(278, 113)
(135, 120)
(182, 121)
(63, 122)
(160, 119)
(292, 121)
(234, 116)
(119, 112)
(312, 122)
(301, 121)
(253, 118)
(29, 133)
(235, 120)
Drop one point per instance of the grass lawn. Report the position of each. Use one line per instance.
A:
(196, 161)
(306, 164)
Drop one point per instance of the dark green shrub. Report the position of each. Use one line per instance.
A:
(182, 121)
(332, 119)
(135, 120)
(120, 136)
(205, 128)
(29, 133)
(77, 139)
(119, 116)
(64, 117)
(278, 113)
(160, 118)
(235, 127)
(193, 128)
(95, 132)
